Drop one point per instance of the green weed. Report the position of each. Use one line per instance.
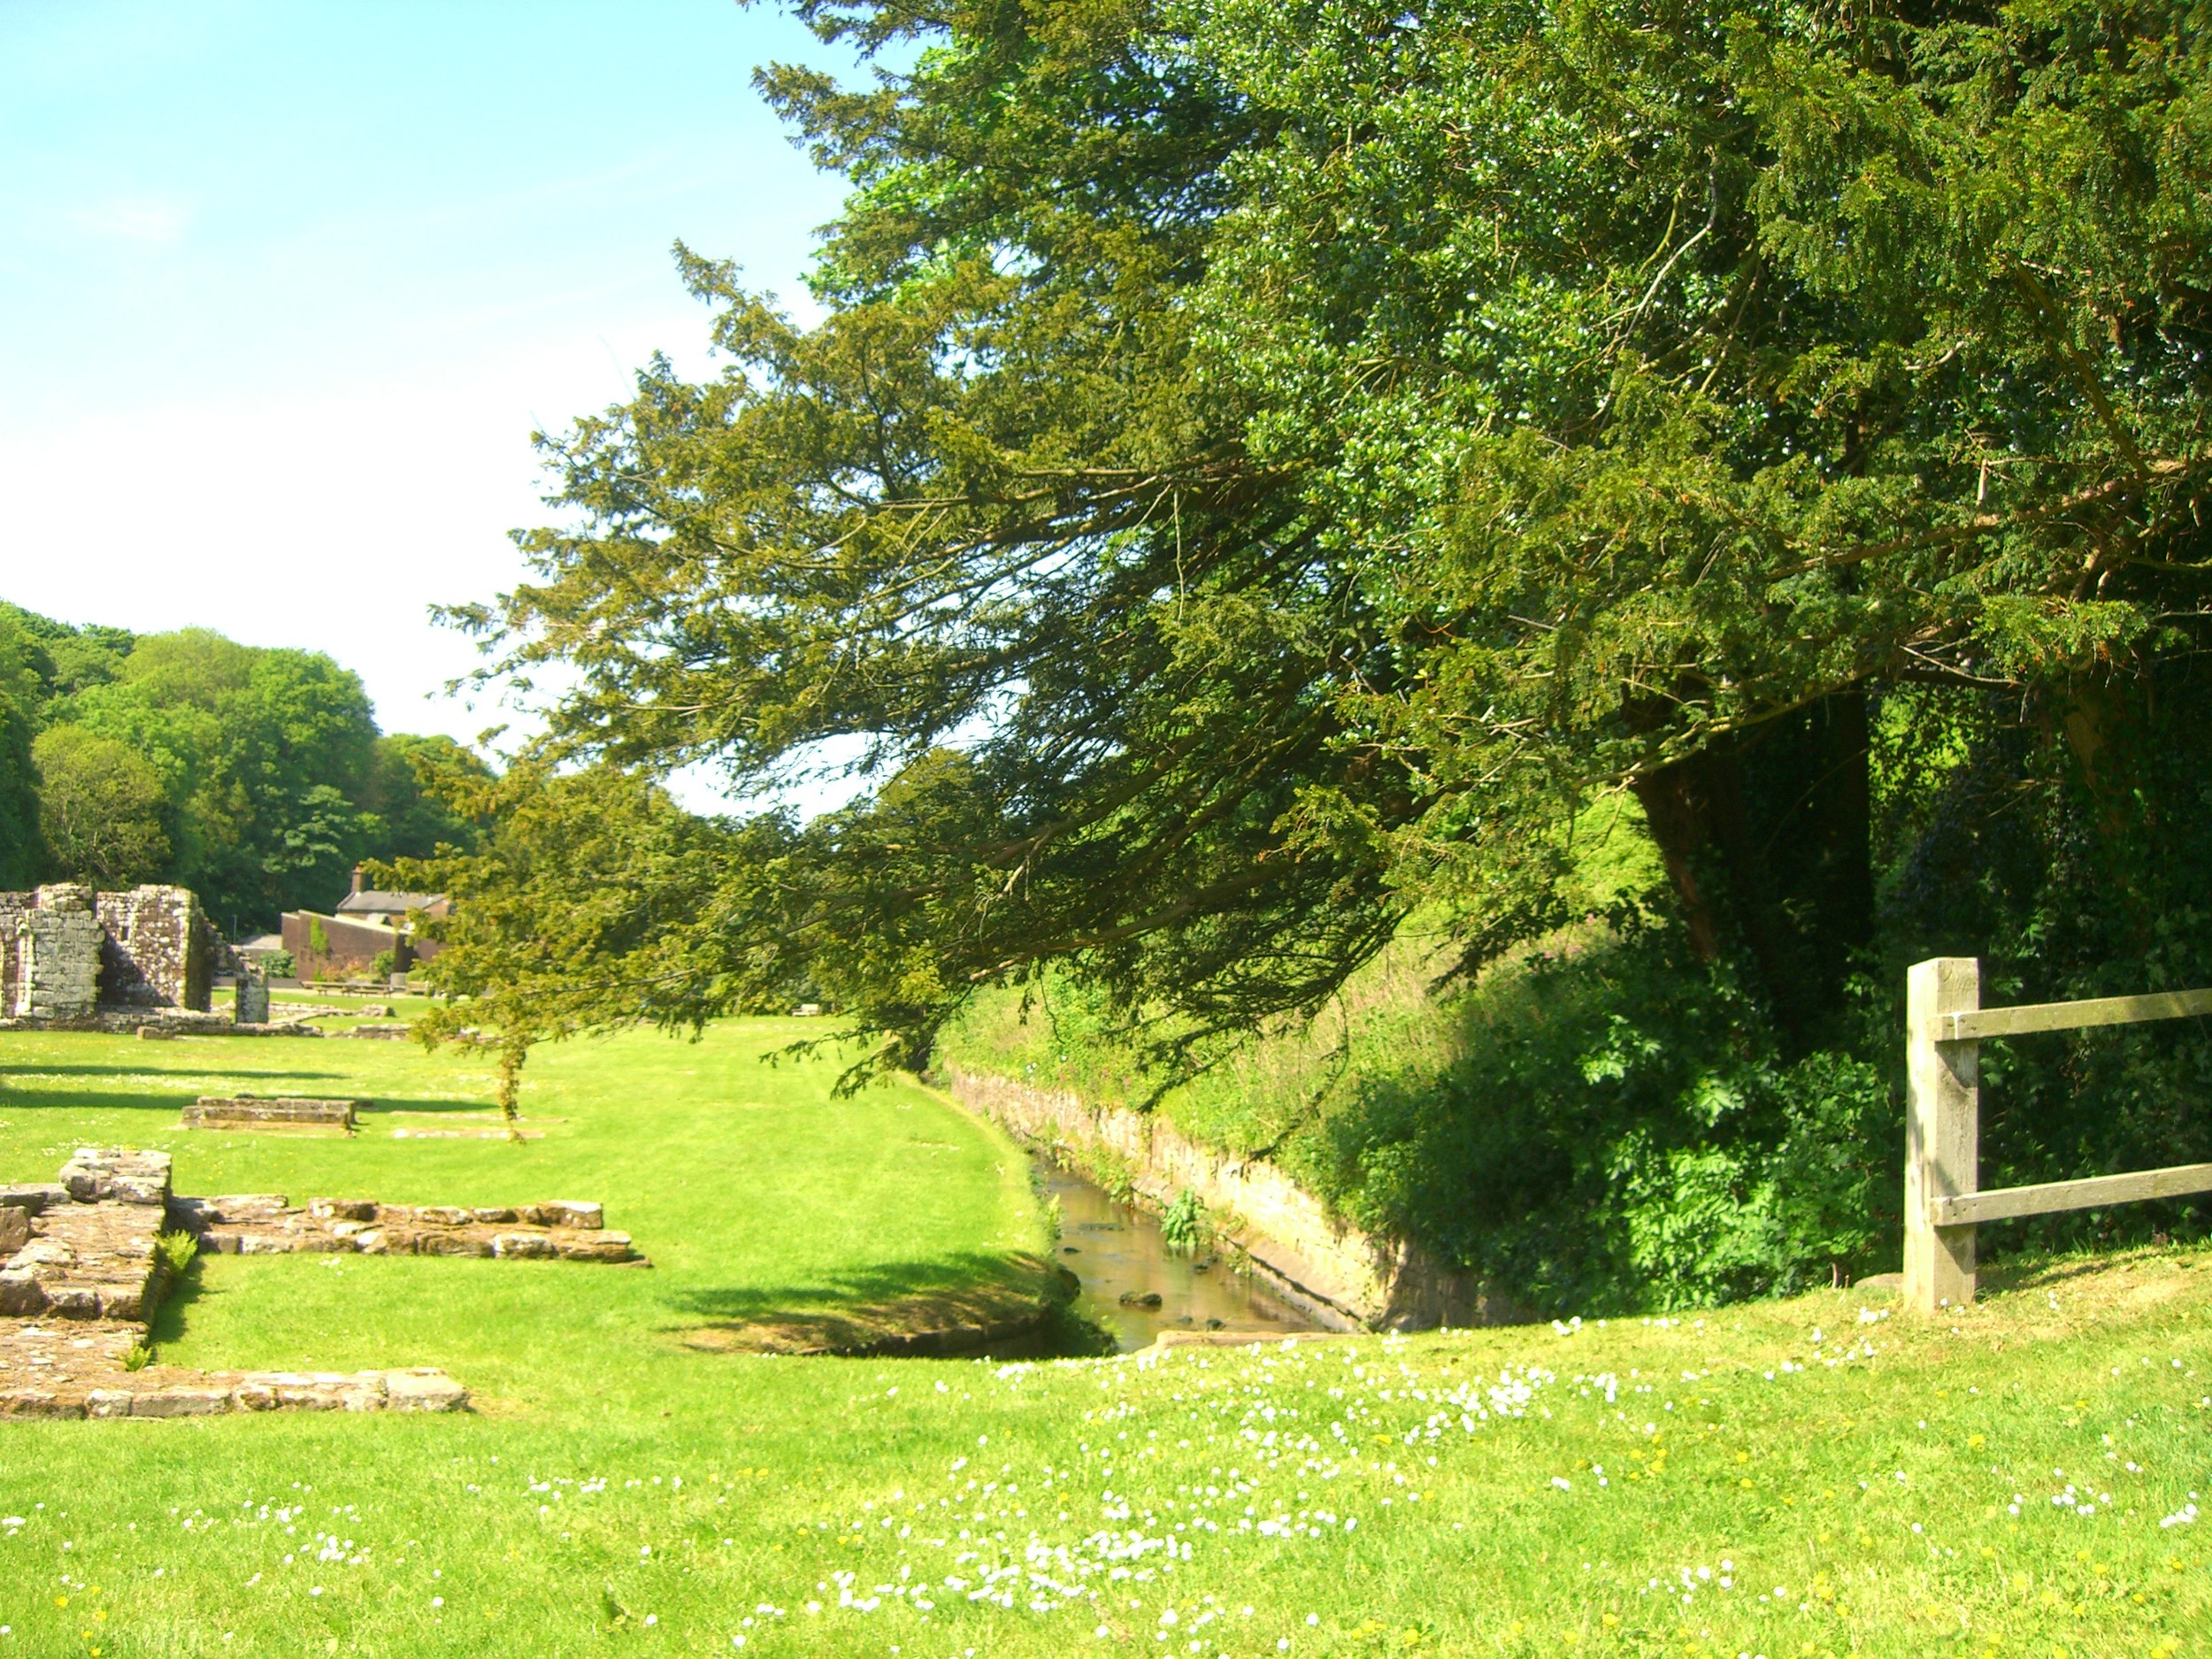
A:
(1183, 1222)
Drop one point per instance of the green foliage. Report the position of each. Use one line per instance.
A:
(21, 854)
(279, 964)
(1183, 1222)
(588, 902)
(102, 807)
(1270, 479)
(137, 1356)
(256, 777)
(1306, 457)
(411, 821)
(318, 937)
(252, 745)
(176, 1249)
(384, 964)
(1601, 1126)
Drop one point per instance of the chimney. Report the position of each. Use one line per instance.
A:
(357, 881)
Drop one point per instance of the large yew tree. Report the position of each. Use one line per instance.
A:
(1266, 466)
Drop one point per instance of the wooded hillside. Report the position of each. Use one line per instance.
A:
(256, 777)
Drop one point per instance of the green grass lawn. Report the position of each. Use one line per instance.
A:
(1803, 1476)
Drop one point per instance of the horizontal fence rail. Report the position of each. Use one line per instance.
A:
(2034, 1016)
(1944, 1026)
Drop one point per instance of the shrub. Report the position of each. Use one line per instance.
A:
(176, 1249)
(1183, 1224)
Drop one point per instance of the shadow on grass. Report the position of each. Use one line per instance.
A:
(13, 1101)
(140, 1070)
(2016, 1274)
(173, 1103)
(426, 1108)
(173, 1317)
(877, 1282)
(971, 1302)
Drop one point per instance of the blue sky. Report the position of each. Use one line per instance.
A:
(286, 287)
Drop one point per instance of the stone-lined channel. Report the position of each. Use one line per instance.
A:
(1118, 1250)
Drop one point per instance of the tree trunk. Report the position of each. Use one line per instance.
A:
(1767, 839)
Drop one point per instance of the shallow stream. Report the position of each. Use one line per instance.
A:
(1117, 1250)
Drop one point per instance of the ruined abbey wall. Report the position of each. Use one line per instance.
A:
(66, 952)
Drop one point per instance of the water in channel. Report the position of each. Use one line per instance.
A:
(1117, 1250)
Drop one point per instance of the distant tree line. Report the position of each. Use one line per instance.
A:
(256, 777)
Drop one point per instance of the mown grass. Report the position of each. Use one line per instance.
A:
(1541, 1490)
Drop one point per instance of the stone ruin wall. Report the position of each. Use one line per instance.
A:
(66, 952)
(156, 949)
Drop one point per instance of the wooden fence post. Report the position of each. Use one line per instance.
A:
(1942, 1131)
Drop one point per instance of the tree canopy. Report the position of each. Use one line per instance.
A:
(254, 776)
(1262, 469)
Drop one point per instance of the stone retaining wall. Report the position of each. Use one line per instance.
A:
(1380, 1283)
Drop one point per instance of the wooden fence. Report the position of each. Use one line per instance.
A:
(1944, 1027)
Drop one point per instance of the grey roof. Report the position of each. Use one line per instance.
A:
(376, 900)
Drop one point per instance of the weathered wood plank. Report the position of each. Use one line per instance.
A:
(1977, 1023)
(1967, 1209)
(1942, 1132)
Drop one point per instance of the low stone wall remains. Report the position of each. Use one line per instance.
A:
(253, 1111)
(83, 1266)
(1289, 1235)
(266, 1223)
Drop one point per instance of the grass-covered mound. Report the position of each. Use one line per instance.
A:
(1809, 1474)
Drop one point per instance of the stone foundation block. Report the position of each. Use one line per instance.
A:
(117, 1175)
(181, 1402)
(21, 1296)
(73, 1301)
(248, 1111)
(38, 1402)
(423, 1390)
(605, 1246)
(562, 1212)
